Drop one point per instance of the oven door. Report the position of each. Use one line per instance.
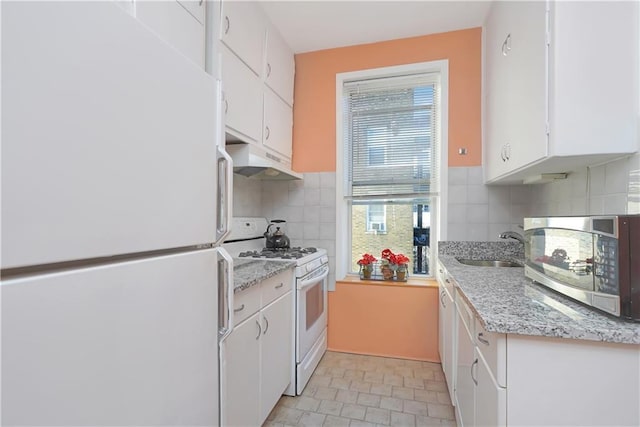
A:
(311, 310)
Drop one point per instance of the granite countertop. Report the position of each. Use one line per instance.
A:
(505, 301)
(250, 272)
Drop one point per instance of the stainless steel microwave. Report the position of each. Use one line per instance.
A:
(592, 259)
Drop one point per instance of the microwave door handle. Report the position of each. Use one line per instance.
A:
(226, 303)
(313, 280)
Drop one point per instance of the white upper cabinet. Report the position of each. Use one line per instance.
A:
(279, 66)
(242, 29)
(195, 8)
(560, 86)
(257, 77)
(278, 124)
(180, 24)
(242, 99)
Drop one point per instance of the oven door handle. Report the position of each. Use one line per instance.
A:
(313, 280)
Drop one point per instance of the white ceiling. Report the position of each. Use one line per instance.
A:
(315, 25)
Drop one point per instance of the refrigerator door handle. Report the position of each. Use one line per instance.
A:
(225, 195)
(225, 283)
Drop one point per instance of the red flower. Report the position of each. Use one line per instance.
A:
(387, 254)
(367, 259)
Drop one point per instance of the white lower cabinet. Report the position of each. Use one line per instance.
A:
(466, 361)
(521, 380)
(446, 333)
(276, 353)
(242, 374)
(490, 399)
(257, 357)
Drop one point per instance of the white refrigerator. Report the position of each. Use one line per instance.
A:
(115, 197)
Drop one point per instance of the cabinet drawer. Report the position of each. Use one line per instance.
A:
(245, 303)
(465, 313)
(493, 348)
(276, 286)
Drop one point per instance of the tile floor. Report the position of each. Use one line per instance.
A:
(356, 390)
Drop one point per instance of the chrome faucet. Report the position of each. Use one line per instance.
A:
(512, 235)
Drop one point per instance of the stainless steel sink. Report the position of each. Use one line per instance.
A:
(488, 262)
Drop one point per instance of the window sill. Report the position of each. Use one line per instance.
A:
(411, 282)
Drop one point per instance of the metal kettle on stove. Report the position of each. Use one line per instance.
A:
(276, 239)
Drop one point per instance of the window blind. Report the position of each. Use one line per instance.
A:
(391, 137)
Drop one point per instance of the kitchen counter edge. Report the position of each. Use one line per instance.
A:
(505, 301)
(248, 273)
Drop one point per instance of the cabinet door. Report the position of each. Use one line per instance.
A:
(175, 25)
(465, 386)
(242, 27)
(277, 352)
(448, 363)
(278, 124)
(195, 8)
(280, 66)
(491, 400)
(241, 374)
(242, 99)
(528, 95)
(497, 91)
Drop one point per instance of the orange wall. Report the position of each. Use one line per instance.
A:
(314, 112)
(384, 320)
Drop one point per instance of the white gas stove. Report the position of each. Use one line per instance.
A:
(246, 240)
(312, 268)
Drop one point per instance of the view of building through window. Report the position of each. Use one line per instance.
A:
(404, 232)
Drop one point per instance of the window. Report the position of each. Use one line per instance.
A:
(389, 139)
(376, 218)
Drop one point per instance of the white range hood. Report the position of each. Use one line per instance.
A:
(254, 162)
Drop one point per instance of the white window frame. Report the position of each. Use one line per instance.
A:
(369, 223)
(439, 211)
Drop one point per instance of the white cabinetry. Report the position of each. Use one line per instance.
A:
(257, 357)
(280, 66)
(278, 124)
(258, 78)
(465, 363)
(447, 331)
(559, 85)
(242, 29)
(180, 24)
(242, 100)
(276, 353)
(241, 367)
(481, 359)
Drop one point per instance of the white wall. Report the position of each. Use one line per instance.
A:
(478, 212)
(308, 206)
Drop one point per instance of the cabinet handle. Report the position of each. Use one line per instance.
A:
(268, 132)
(444, 305)
(226, 106)
(236, 310)
(259, 330)
(266, 328)
(200, 4)
(279, 286)
(227, 25)
(440, 270)
(268, 69)
(482, 340)
(447, 280)
(506, 45)
(508, 151)
(475, 362)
